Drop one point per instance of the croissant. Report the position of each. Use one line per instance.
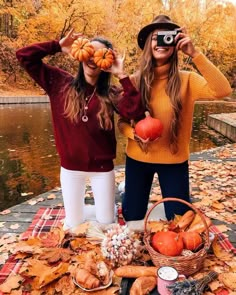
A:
(90, 264)
(103, 272)
(86, 279)
(143, 285)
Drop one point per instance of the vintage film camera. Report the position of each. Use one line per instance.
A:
(167, 38)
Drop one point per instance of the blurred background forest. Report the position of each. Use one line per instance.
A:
(210, 23)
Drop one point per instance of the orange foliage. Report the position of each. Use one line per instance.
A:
(211, 25)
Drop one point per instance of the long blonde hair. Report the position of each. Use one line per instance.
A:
(75, 94)
(144, 80)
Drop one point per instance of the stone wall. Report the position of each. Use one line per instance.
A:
(23, 99)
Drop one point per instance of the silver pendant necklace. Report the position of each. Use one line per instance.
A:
(84, 117)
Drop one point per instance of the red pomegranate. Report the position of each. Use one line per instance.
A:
(149, 127)
(168, 243)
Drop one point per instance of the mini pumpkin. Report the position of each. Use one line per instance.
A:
(191, 240)
(103, 58)
(82, 49)
(167, 243)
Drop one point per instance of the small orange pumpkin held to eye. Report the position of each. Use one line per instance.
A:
(82, 49)
(103, 58)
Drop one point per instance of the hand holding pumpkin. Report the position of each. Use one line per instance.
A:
(143, 143)
(67, 41)
(117, 68)
(147, 130)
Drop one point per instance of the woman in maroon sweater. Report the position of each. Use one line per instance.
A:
(83, 119)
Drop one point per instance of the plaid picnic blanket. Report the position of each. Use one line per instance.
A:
(46, 218)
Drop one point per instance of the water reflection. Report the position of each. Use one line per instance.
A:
(28, 160)
(29, 164)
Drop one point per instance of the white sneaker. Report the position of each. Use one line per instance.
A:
(121, 187)
(90, 212)
(136, 225)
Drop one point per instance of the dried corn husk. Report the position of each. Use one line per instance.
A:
(118, 243)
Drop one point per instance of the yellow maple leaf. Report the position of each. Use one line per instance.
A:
(42, 273)
(12, 282)
(32, 245)
(51, 197)
(15, 226)
(81, 229)
(5, 212)
(217, 206)
(228, 279)
(220, 252)
(155, 226)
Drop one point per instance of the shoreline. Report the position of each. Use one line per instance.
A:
(39, 98)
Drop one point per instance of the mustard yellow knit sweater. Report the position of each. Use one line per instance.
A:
(211, 85)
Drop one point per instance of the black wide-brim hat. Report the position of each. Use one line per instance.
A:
(159, 22)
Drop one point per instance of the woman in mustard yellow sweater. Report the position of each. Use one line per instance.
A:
(169, 95)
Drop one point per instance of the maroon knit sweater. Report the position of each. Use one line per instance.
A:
(81, 146)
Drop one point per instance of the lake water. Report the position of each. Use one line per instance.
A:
(29, 164)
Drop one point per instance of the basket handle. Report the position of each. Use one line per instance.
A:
(197, 211)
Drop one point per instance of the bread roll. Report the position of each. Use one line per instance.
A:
(136, 271)
(143, 285)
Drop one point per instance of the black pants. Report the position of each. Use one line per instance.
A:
(173, 180)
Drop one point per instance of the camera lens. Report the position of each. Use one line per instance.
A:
(168, 39)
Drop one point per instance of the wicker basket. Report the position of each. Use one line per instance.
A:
(186, 265)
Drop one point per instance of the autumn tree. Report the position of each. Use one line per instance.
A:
(210, 23)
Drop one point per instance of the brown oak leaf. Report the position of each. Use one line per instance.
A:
(81, 244)
(53, 238)
(56, 254)
(65, 285)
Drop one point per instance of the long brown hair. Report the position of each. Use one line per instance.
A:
(144, 80)
(75, 94)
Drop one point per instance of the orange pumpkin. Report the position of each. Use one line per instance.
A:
(167, 243)
(103, 58)
(149, 127)
(191, 240)
(82, 49)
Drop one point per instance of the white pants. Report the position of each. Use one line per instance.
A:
(73, 184)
